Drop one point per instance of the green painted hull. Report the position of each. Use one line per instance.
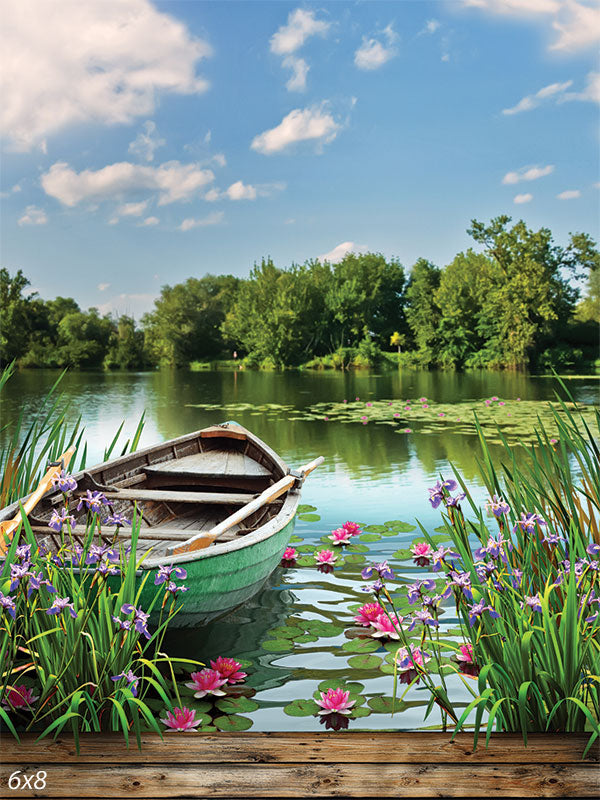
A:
(220, 583)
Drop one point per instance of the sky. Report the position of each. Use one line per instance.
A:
(147, 142)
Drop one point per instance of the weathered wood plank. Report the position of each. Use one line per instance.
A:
(158, 496)
(163, 780)
(212, 462)
(372, 747)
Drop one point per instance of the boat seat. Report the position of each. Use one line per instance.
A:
(158, 496)
(211, 464)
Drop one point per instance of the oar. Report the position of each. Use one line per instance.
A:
(202, 540)
(8, 527)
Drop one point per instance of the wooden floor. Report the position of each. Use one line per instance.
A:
(272, 765)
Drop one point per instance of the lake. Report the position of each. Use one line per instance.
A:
(373, 472)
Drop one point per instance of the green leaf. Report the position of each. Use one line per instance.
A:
(309, 517)
(305, 638)
(402, 555)
(285, 632)
(360, 711)
(322, 629)
(401, 527)
(304, 508)
(375, 529)
(364, 662)
(357, 548)
(354, 558)
(233, 723)
(370, 537)
(383, 705)
(235, 705)
(301, 708)
(305, 561)
(277, 646)
(360, 646)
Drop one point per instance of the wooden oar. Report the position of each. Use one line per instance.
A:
(8, 527)
(203, 540)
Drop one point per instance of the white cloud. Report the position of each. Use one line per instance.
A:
(219, 159)
(133, 305)
(591, 92)
(149, 222)
(338, 253)
(522, 198)
(528, 174)
(67, 62)
(301, 24)
(212, 219)
(132, 209)
(299, 67)
(300, 125)
(373, 53)
(103, 286)
(146, 142)
(531, 101)
(520, 7)
(172, 180)
(33, 216)
(431, 26)
(569, 194)
(242, 191)
(16, 188)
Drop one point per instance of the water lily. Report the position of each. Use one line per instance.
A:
(289, 554)
(353, 527)
(325, 557)
(229, 669)
(465, 653)
(368, 613)
(19, 698)
(335, 701)
(182, 719)
(386, 626)
(208, 681)
(340, 536)
(422, 552)
(411, 662)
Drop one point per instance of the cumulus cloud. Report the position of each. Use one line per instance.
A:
(314, 124)
(242, 191)
(33, 216)
(338, 253)
(590, 93)
(146, 142)
(149, 222)
(68, 62)
(528, 174)
(522, 198)
(172, 181)
(301, 24)
(299, 67)
(531, 101)
(375, 52)
(569, 194)
(431, 26)
(212, 219)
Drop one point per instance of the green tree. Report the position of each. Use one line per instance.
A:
(398, 340)
(83, 339)
(15, 322)
(422, 312)
(125, 346)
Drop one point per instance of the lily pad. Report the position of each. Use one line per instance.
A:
(305, 561)
(301, 708)
(277, 645)
(383, 705)
(360, 711)
(305, 638)
(364, 662)
(360, 646)
(233, 722)
(285, 632)
(375, 529)
(403, 554)
(400, 526)
(304, 508)
(236, 705)
(370, 537)
(357, 548)
(309, 517)
(354, 558)
(323, 629)
(306, 548)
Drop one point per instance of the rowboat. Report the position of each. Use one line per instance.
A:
(218, 502)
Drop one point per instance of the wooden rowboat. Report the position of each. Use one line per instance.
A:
(218, 502)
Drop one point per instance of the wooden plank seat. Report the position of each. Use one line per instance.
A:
(211, 464)
(158, 496)
(158, 534)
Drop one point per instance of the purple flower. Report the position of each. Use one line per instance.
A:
(383, 570)
(475, 611)
(436, 494)
(94, 501)
(164, 573)
(593, 549)
(95, 553)
(124, 624)
(117, 519)
(173, 588)
(484, 571)
(494, 548)
(60, 604)
(376, 587)
(8, 604)
(440, 555)
(35, 582)
(516, 578)
(422, 617)
(140, 619)
(528, 522)
(58, 519)
(463, 581)
(497, 506)
(106, 568)
(453, 502)
(23, 552)
(18, 572)
(64, 482)
(552, 538)
(132, 681)
(533, 602)
(416, 590)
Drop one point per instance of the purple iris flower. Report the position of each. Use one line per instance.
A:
(415, 590)
(383, 570)
(35, 583)
(165, 571)
(140, 619)
(95, 553)
(64, 482)
(422, 617)
(497, 506)
(105, 568)
(440, 555)
(94, 501)
(453, 502)
(431, 601)
(552, 538)
(173, 588)
(484, 571)
(18, 572)
(117, 519)
(593, 549)
(533, 602)
(23, 552)
(528, 522)
(516, 578)
(58, 519)
(60, 604)
(476, 610)
(124, 624)
(463, 581)
(132, 681)
(8, 604)
(376, 587)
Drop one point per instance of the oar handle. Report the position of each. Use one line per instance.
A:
(8, 527)
(202, 540)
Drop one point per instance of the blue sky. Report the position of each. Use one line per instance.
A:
(143, 143)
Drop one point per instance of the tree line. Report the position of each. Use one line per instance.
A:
(512, 303)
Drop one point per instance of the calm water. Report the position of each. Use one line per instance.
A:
(370, 475)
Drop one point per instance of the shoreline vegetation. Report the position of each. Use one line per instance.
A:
(513, 304)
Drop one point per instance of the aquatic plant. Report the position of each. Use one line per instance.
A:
(181, 719)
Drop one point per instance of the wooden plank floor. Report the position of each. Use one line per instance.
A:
(282, 765)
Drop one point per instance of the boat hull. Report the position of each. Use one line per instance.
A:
(223, 582)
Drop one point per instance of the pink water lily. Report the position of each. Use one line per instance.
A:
(290, 554)
(387, 626)
(340, 536)
(353, 527)
(422, 399)
(335, 701)
(421, 549)
(368, 613)
(229, 669)
(19, 697)
(209, 681)
(181, 719)
(325, 557)
(465, 653)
